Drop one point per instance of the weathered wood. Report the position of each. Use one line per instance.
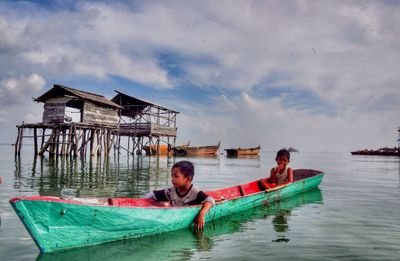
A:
(92, 133)
(93, 113)
(43, 135)
(76, 136)
(35, 142)
(63, 143)
(47, 144)
(54, 112)
(69, 142)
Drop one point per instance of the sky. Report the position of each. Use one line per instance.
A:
(314, 75)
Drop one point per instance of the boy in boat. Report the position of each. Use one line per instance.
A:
(279, 175)
(184, 193)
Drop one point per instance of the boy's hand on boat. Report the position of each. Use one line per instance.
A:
(199, 222)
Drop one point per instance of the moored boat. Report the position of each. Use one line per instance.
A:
(380, 152)
(164, 150)
(57, 223)
(243, 152)
(197, 151)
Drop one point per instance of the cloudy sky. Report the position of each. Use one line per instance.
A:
(315, 75)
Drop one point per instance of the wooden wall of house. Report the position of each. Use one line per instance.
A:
(93, 113)
(54, 110)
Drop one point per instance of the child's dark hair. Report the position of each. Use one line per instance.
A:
(186, 167)
(283, 152)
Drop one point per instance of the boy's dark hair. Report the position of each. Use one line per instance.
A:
(283, 152)
(186, 167)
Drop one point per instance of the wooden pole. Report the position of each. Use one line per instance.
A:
(105, 135)
(64, 140)
(43, 135)
(76, 138)
(69, 142)
(129, 140)
(58, 142)
(98, 148)
(53, 137)
(47, 144)
(92, 134)
(35, 143)
(83, 143)
(16, 142)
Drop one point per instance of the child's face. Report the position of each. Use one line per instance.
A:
(282, 161)
(178, 179)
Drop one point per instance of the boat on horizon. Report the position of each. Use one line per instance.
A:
(62, 223)
(243, 152)
(196, 151)
(379, 152)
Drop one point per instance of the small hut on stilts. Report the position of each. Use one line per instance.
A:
(151, 127)
(77, 123)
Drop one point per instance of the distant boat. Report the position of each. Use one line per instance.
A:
(243, 152)
(292, 150)
(380, 152)
(196, 151)
(163, 150)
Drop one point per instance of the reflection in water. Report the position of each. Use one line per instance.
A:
(183, 244)
(97, 177)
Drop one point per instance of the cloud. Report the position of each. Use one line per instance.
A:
(297, 70)
(253, 121)
(16, 90)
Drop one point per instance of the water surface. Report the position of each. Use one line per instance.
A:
(353, 215)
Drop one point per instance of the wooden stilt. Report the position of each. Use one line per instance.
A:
(43, 137)
(63, 142)
(92, 134)
(69, 142)
(76, 138)
(35, 142)
(83, 143)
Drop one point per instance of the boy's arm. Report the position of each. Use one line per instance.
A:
(200, 220)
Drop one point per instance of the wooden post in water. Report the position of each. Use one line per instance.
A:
(92, 133)
(43, 137)
(35, 142)
(63, 142)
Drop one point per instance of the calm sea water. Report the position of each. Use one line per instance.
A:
(353, 215)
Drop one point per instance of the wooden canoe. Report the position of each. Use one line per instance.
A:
(196, 151)
(57, 223)
(243, 152)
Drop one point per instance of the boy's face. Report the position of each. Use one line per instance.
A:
(282, 161)
(178, 179)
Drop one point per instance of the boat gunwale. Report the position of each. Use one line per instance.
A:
(91, 204)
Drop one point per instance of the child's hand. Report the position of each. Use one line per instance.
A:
(279, 167)
(199, 222)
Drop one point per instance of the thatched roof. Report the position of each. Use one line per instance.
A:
(62, 91)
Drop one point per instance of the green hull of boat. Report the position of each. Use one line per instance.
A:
(59, 225)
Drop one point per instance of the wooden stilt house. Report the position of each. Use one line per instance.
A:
(78, 121)
(151, 127)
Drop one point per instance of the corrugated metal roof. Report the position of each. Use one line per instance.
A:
(124, 99)
(60, 90)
